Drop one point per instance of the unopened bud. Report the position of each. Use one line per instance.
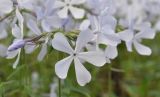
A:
(16, 45)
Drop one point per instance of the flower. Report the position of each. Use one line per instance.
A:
(94, 57)
(47, 17)
(105, 31)
(69, 6)
(134, 35)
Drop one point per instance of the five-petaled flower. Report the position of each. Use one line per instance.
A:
(70, 6)
(94, 57)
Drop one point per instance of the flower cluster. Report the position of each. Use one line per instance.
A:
(86, 30)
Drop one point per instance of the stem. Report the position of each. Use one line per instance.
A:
(59, 85)
(8, 15)
(60, 56)
(110, 81)
(24, 76)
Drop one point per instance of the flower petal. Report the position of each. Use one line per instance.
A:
(3, 34)
(83, 38)
(126, 35)
(129, 46)
(85, 25)
(108, 39)
(157, 26)
(50, 23)
(141, 49)
(29, 48)
(20, 21)
(60, 43)
(62, 67)
(12, 54)
(42, 53)
(63, 13)
(3, 50)
(108, 20)
(82, 74)
(32, 25)
(17, 60)
(16, 32)
(77, 2)
(147, 33)
(77, 12)
(59, 4)
(111, 52)
(94, 57)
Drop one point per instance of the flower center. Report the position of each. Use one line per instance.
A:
(67, 4)
(75, 54)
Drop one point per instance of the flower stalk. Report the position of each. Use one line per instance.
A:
(110, 80)
(59, 88)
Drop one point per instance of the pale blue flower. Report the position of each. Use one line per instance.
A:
(94, 57)
(67, 6)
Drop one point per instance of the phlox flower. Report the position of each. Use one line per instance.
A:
(135, 34)
(67, 6)
(96, 58)
(46, 16)
(104, 30)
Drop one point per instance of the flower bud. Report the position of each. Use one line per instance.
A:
(16, 45)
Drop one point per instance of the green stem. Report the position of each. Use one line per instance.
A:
(110, 81)
(60, 56)
(59, 85)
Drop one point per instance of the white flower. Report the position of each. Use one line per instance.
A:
(6, 6)
(69, 6)
(104, 27)
(94, 57)
(46, 15)
(131, 37)
(111, 52)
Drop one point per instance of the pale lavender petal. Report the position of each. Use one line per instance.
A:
(82, 74)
